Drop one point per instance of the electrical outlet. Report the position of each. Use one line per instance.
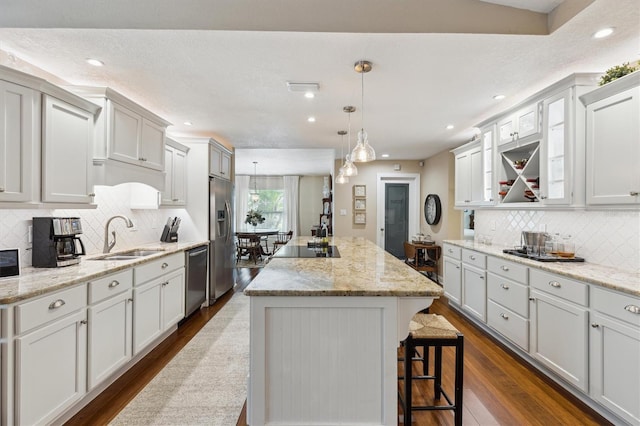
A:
(30, 234)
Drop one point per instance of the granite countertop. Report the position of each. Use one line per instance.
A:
(364, 269)
(37, 281)
(601, 275)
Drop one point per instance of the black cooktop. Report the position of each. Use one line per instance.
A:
(307, 252)
(542, 258)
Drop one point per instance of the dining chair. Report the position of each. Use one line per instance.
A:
(282, 238)
(249, 245)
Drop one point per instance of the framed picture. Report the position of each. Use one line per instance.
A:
(359, 190)
(360, 218)
(360, 204)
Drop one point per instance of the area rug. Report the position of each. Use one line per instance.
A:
(206, 382)
(246, 263)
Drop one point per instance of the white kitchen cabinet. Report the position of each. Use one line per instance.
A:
(612, 135)
(468, 176)
(487, 138)
(173, 299)
(523, 123)
(614, 349)
(175, 187)
(147, 314)
(452, 273)
(110, 326)
(19, 140)
(67, 143)
(559, 326)
(474, 285)
(219, 161)
(50, 369)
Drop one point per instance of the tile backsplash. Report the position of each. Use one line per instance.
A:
(111, 201)
(610, 237)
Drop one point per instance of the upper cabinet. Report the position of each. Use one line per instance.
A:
(612, 135)
(19, 139)
(468, 175)
(129, 145)
(521, 124)
(175, 187)
(219, 161)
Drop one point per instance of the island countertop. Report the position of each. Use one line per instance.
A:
(363, 269)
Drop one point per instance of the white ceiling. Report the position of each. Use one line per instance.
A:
(435, 62)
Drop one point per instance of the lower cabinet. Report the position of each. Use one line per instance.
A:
(474, 291)
(452, 280)
(50, 369)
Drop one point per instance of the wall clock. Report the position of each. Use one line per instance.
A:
(432, 209)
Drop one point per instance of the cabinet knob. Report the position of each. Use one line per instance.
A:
(595, 325)
(472, 257)
(1, 189)
(92, 194)
(482, 277)
(457, 267)
(504, 286)
(634, 193)
(554, 284)
(633, 309)
(504, 316)
(532, 299)
(129, 300)
(165, 283)
(543, 197)
(58, 303)
(114, 283)
(504, 268)
(84, 322)
(450, 251)
(467, 201)
(164, 265)
(174, 199)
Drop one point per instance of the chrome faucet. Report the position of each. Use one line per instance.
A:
(109, 245)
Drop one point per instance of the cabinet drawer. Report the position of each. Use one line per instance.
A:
(110, 285)
(474, 258)
(509, 294)
(511, 270)
(452, 251)
(156, 268)
(621, 306)
(559, 286)
(50, 307)
(509, 324)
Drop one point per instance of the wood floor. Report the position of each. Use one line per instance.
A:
(499, 389)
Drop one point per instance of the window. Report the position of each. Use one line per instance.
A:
(271, 203)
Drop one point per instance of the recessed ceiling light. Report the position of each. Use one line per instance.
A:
(188, 123)
(95, 62)
(499, 97)
(449, 126)
(309, 95)
(385, 156)
(311, 119)
(605, 32)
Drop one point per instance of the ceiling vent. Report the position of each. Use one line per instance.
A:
(303, 87)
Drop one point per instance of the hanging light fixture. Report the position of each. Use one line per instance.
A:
(349, 169)
(363, 152)
(255, 197)
(341, 178)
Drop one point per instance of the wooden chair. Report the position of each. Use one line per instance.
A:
(422, 261)
(281, 239)
(249, 244)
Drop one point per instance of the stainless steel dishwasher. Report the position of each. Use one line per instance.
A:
(196, 280)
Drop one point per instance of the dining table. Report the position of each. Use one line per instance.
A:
(263, 233)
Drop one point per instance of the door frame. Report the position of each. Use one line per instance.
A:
(413, 179)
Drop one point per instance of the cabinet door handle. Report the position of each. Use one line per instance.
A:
(472, 257)
(457, 267)
(595, 325)
(634, 193)
(165, 283)
(554, 284)
(504, 316)
(482, 277)
(114, 283)
(164, 265)
(633, 309)
(174, 199)
(83, 322)
(450, 251)
(58, 303)
(504, 286)
(504, 268)
(92, 194)
(532, 299)
(129, 300)
(1, 189)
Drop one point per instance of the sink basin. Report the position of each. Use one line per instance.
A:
(128, 255)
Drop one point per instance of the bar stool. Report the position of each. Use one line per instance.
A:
(433, 330)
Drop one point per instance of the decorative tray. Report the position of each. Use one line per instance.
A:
(542, 258)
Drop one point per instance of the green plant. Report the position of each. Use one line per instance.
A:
(254, 217)
(617, 72)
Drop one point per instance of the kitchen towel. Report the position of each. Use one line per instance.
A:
(205, 383)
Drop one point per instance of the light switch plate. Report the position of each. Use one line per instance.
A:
(343, 212)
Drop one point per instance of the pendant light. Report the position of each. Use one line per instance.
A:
(349, 168)
(363, 152)
(341, 178)
(255, 197)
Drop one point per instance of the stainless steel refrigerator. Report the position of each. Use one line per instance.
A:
(222, 265)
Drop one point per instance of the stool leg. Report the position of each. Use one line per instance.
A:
(459, 379)
(408, 353)
(425, 360)
(437, 381)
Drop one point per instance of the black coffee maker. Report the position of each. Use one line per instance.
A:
(56, 242)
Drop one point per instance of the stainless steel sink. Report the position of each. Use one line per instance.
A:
(128, 255)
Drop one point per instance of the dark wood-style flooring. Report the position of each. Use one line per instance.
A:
(498, 387)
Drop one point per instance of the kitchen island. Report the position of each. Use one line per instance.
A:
(324, 335)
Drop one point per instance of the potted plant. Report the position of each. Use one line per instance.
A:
(616, 72)
(254, 217)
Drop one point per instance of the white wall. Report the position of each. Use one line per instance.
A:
(310, 202)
